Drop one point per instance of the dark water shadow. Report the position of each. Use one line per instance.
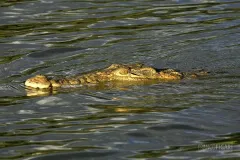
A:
(79, 155)
(227, 144)
(53, 52)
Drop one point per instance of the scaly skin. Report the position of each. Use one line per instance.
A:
(116, 72)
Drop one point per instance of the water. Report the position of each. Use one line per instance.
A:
(191, 119)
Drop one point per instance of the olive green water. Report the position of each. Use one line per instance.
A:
(190, 119)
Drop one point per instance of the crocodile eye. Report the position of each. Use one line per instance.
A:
(148, 71)
(123, 71)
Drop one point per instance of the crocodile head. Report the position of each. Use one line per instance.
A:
(140, 72)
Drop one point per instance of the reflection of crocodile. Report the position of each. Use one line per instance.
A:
(116, 72)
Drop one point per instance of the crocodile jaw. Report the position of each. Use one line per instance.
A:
(39, 81)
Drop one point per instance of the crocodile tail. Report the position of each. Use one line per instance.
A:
(195, 74)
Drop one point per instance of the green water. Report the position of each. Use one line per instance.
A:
(190, 119)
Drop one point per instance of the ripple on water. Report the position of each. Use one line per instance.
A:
(52, 101)
(190, 119)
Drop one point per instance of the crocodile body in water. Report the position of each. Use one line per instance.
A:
(132, 73)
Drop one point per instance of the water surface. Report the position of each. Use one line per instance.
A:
(190, 119)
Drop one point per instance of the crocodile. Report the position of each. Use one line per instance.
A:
(125, 73)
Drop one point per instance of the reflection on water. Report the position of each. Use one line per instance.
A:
(188, 119)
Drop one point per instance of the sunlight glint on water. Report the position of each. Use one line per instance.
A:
(189, 119)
